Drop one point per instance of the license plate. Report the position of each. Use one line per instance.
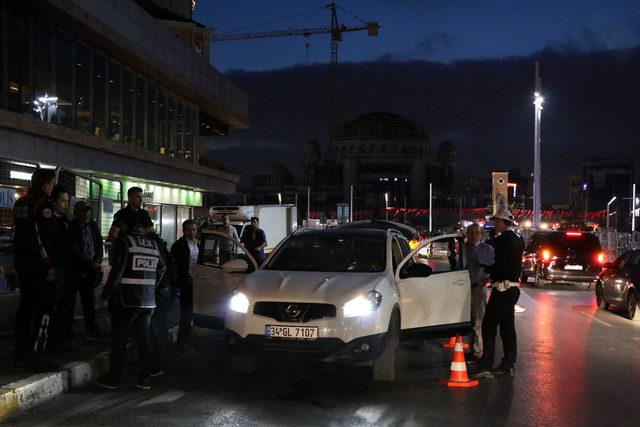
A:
(291, 332)
(572, 267)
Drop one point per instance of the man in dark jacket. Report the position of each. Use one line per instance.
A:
(86, 271)
(184, 253)
(34, 264)
(505, 276)
(130, 291)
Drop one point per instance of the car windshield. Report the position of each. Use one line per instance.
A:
(583, 243)
(332, 253)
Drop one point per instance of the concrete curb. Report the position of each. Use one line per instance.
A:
(39, 388)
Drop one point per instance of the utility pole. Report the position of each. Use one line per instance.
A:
(430, 206)
(351, 205)
(633, 208)
(538, 99)
(308, 204)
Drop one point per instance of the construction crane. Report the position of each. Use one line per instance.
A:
(335, 29)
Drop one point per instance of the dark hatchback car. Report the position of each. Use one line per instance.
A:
(562, 256)
(618, 284)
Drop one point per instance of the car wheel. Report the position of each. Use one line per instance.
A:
(539, 281)
(632, 306)
(242, 365)
(384, 366)
(602, 304)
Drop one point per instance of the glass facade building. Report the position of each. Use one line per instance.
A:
(96, 94)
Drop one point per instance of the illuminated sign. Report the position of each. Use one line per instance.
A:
(22, 176)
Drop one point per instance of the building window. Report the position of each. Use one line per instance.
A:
(171, 124)
(99, 94)
(128, 96)
(141, 103)
(189, 132)
(64, 79)
(83, 88)
(162, 121)
(42, 59)
(168, 228)
(20, 97)
(152, 104)
(115, 86)
(180, 129)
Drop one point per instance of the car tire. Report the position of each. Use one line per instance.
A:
(632, 306)
(602, 304)
(242, 365)
(384, 366)
(539, 281)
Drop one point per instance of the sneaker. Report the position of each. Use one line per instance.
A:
(107, 382)
(483, 373)
(518, 308)
(143, 383)
(505, 371)
(156, 373)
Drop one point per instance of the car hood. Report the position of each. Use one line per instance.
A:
(305, 286)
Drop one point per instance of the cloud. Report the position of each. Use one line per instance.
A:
(585, 40)
(436, 41)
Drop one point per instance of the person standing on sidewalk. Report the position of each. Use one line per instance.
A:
(226, 246)
(132, 214)
(480, 256)
(86, 271)
(184, 253)
(130, 291)
(505, 276)
(33, 260)
(62, 254)
(255, 240)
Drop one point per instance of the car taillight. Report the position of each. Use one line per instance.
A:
(600, 258)
(546, 255)
(573, 233)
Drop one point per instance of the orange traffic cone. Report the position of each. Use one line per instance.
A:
(458, 374)
(452, 343)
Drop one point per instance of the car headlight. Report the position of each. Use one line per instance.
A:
(239, 302)
(363, 304)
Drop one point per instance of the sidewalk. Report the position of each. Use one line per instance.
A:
(20, 390)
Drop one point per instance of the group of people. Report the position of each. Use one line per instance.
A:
(55, 260)
(494, 264)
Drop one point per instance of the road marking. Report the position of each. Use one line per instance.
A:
(595, 318)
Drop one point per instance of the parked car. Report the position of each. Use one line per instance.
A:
(339, 295)
(562, 256)
(619, 283)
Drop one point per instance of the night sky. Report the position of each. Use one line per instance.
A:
(463, 69)
(434, 30)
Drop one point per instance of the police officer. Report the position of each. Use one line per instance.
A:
(130, 215)
(130, 291)
(505, 276)
(33, 259)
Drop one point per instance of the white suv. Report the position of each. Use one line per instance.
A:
(331, 295)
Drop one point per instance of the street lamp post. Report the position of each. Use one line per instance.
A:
(430, 206)
(538, 99)
(633, 208)
(609, 204)
(386, 206)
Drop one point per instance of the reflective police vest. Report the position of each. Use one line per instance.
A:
(138, 283)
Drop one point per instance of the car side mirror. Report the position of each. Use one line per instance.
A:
(235, 266)
(415, 270)
(607, 265)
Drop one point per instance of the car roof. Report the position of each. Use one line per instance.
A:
(346, 232)
(378, 224)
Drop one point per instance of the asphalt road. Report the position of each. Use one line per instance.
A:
(576, 366)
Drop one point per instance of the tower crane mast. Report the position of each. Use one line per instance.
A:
(335, 30)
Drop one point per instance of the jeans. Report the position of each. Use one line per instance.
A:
(77, 283)
(186, 312)
(500, 312)
(160, 327)
(478, 307)
(124, 319)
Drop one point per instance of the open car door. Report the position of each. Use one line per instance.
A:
(435, 289)
(222, 263)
